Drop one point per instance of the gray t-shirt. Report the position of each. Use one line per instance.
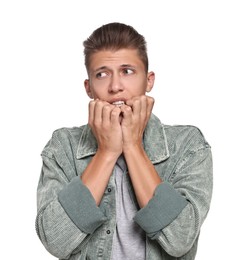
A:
(129, 239)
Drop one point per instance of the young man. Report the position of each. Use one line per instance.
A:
(125, 186)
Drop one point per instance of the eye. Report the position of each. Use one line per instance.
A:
(128, 71)
(101, 75)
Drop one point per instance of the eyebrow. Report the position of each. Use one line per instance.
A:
(100, 68)
(121, 66)
(127, 65)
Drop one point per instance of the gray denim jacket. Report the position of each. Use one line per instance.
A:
(71, 226)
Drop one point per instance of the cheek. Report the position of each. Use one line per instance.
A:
(98, 93)
(138, 89)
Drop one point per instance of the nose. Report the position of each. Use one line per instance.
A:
(115, 84)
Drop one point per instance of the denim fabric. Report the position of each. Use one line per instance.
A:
(71, 226)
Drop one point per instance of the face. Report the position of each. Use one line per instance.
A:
(117, 76)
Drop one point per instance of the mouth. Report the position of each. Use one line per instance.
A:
(118, 103)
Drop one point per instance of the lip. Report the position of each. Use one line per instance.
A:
(118, 101)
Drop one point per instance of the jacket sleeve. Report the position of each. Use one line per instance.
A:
(173, 217)
(67, 213)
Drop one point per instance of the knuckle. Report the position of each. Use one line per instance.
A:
(91, 104)
(151, 100)
(143, 97)
(115, 111)
(106, 108)
(98, 103)
(96, 124)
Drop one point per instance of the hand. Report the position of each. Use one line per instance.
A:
(104, 122)
(136, 114)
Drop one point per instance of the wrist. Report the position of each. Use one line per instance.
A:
(108, 156)
(133, 149)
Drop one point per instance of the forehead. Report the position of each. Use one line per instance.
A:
(110, 58)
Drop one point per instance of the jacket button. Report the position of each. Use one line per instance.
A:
(109, 190)
(108, 232)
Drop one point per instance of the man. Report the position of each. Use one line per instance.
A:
(125, 186)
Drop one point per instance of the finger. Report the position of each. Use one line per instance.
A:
(127, 114)
(135, 104)
(143, 107)
(98, 112)
(115, 114)
(129, 102)
(106, 111)
(91, 112)
(150, 105)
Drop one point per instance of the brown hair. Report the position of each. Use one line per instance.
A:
(115, 36)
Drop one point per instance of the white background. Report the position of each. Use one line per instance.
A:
(198, 52)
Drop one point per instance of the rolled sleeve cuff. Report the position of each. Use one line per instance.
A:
(81, 207)
(162, 209)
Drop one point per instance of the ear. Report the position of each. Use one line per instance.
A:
(150, 81)
(88, 88)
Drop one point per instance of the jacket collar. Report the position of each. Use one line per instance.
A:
(154, 141)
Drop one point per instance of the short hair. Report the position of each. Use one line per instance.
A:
(115, 36)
